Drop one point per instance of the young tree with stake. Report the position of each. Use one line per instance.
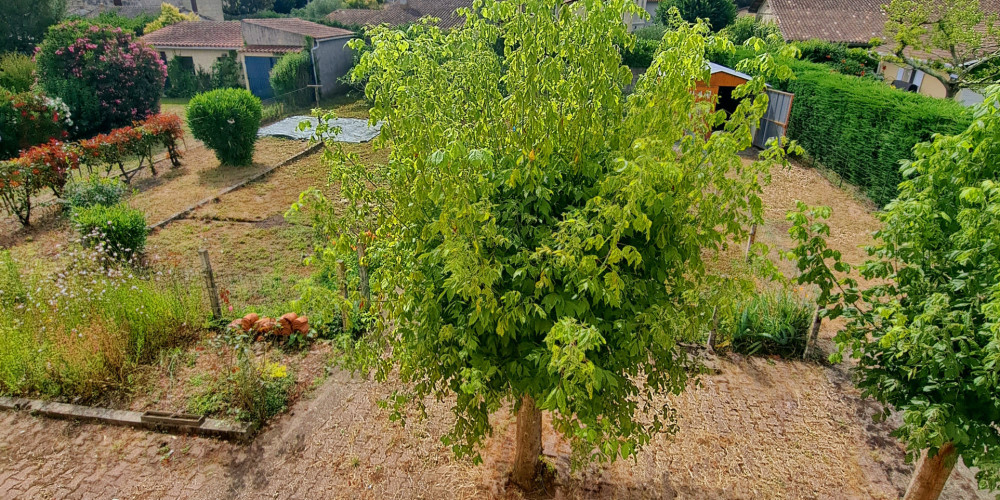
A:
(543, 236)
(926, 336)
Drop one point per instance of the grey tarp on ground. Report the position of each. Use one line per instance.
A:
(352, 129)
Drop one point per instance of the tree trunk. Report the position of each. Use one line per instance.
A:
(528, 447)
(931, 474)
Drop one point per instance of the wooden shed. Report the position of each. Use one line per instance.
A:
(721, 85)
(720, 91)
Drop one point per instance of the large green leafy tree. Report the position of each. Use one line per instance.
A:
(23, 23)
(541, 237)
(927, 336)
(718, 13)
(957, 42)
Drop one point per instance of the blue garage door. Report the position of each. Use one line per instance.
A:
(258, 76)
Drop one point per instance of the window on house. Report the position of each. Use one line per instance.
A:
(118, 3)
(186, 62)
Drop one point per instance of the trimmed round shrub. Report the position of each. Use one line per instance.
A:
(719, 13)
(17, 72)
(226, 120)
(28, 119)
(107, 78)
(95, 190)
(119, 229)
(291, 76)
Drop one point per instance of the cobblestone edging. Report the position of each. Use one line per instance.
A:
(208, 427)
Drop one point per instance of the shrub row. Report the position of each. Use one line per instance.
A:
(49, 165)
(29, 118)
(861, 128)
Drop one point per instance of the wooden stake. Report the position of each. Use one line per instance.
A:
(813, 334)
(213, 292)
(363, 275)
(714, 331)
(342, 283)
(751, 240)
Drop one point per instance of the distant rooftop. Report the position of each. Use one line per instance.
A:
(214, 34)
(301, 27)
(403, 12)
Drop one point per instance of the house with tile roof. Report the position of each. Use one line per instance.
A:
(854, 23)
(258, 43)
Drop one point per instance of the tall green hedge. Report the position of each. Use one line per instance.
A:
(862, 128)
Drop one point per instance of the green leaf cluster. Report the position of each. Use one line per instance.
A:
(861, 129)
(926, 332)
(539, 232)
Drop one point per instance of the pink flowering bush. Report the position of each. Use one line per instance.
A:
(107, 79)
(29, 118)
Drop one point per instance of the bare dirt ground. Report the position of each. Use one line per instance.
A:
(754, 428)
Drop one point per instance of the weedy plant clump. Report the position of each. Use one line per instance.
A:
(84, 331)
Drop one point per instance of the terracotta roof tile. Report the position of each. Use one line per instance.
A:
(213, 34)
(301, 27)
(843, 21)
(397, 14)
(270, 48)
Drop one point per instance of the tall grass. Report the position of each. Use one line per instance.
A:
(86, 329)
(771, 323)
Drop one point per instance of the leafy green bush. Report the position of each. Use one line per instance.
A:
(641, 55)
(28, 119)
(17, 72)
(651, 32)
(107, 78)
(118, 229)
(226, 120)
(719, 13)
(290, 75)
(169, 14)
(227, 73)
(771, 323)
(746, 27)
(95, 190)
(855, 61)
(134, 25)
(183, 82)
(861, 129)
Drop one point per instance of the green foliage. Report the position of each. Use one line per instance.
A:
(925, 333)
(28, 119)
(226, 120)
(118, 230)
(245, 7)
(856, 61)
(227, 72)
(861, 129)
(17, 72)
(290, 77)
(134, 25)
(954, 41)
(169, 14)
(107, 79)
(23, 23)
(85, 330)
(770, 323)
(652, 32)
(747, 27)
(718, 13)
(248, 387)
(95, 190)
(539, 233)
(641, 54)
(318, 9)
(183, 81)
